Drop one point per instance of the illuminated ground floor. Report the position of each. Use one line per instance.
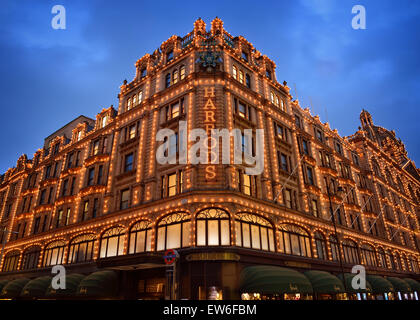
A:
(208, 273)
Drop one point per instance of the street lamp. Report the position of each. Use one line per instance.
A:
(339, 189)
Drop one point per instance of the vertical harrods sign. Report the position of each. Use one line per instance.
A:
(209, 124)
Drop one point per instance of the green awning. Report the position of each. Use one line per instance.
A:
(324, 282)
(379, 284)
(99, 284)
(3, 283)
(271, 280)
(349, 287)
(415, 285)
(399, 285)
(72, 282)
(36, 287)
(13, 288)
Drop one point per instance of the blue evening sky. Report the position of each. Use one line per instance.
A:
(49, 77)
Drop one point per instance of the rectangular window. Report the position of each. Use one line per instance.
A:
(248, 80)
(314, 206)
(319, 135)
(297, 122)
(246, 184)
(143, 73)
(172, 185)
(283, 162)
(105, 145)
(175, 110)
(91, 174)
(70, 160)
(47, 172)
(288, 198)
(170, 56)
(132, 132)
(100, 173)
(125, 196)
(42, 197)
(310, 175)
(73, 181)
(36, 226)
(235, 72)
(59, 217)
(242, 110)
(305, 146)
(128, 162)
(85, 210)
(96, 147)
(68, 217)
(95, 208)
(244, 56)
(338, 147)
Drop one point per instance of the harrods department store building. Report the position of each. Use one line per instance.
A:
(95, 199)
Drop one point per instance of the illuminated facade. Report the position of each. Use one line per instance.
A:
(95, 198)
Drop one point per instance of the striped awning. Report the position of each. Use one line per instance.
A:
(3, 283)
(399, 285)
(101, 284)
(415, 285)
(324, 282)
(36, 287)
(380, 284)
(13, 288)
(348, 278)
(273, 280)
(72, 283)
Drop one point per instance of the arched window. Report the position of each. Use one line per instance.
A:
(390, 259)
(134, 100)
(81, 248)
(254, 232)
(182, 73)
(213, 228)
(321, 246)
(173, 231)
(335, 252)
(368, 254)
(175, 76)
(294, 240)
(382, 258)
(54, 253)
(168, 80)
(30, 258)
(128, 104)
(11, 261)
(112, 243)
(351, 254)
(140, 237)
